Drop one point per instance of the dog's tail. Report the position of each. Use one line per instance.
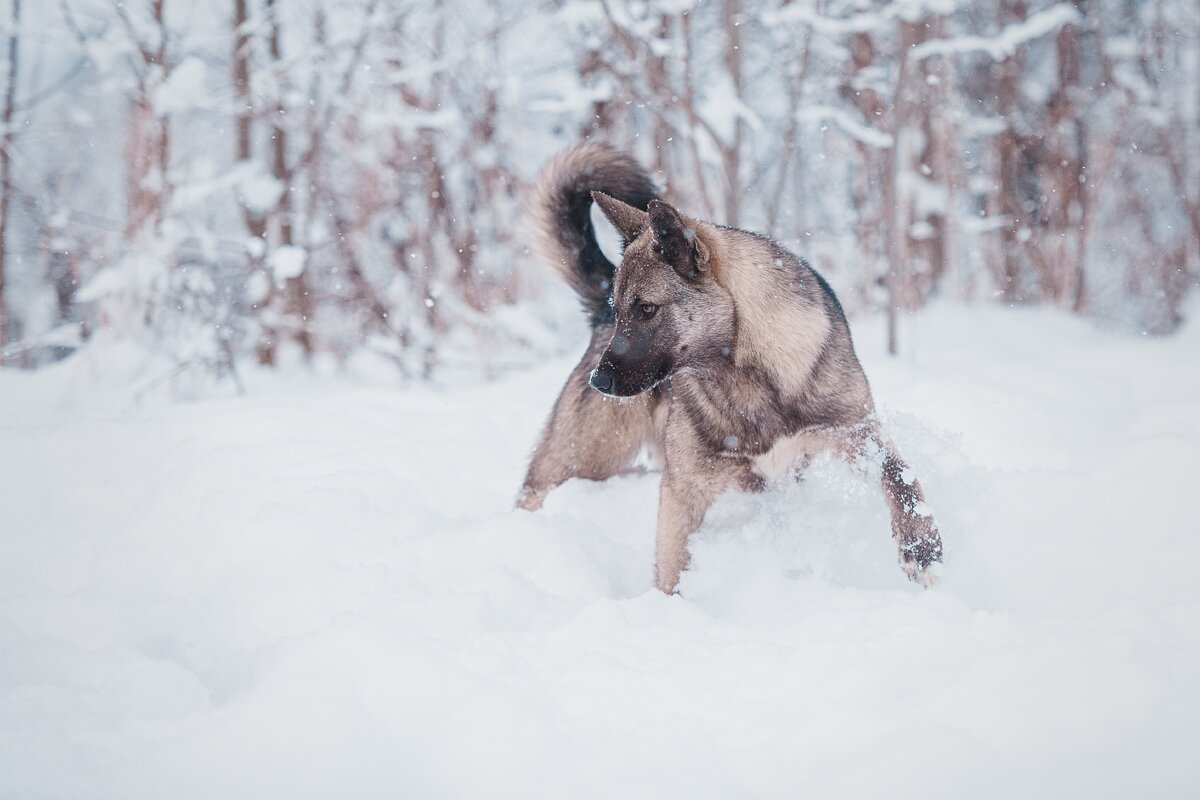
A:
(560, 209)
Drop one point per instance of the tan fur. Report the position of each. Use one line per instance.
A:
(588, 435)
(736, 356)
(782, 334)
(792, 452)
(690, 482)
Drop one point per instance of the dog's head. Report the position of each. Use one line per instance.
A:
(672, 313)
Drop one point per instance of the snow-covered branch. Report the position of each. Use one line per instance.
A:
(851, 127)
(1004, 43)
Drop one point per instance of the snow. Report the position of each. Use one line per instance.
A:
(411, 120)
(830, 26)
(321, 590)
(721, 108)
(998, 46)
(287, 262)
(1007, 41)
(565, 96)
(258, 286)
(184, 88)
(855, 130)
(258, 190)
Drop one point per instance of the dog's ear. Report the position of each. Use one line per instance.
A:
(677, 241)
(629, 221)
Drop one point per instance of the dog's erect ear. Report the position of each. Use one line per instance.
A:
(678, 241)
(628, 221)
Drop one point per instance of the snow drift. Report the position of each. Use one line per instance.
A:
(321, 590)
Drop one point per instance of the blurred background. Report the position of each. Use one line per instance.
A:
(275, 182)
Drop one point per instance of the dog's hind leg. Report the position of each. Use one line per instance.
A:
(917, 538)
(587, 436)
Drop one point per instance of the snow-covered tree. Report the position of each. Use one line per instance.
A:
(268, 181)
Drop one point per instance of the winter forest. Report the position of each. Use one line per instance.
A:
(282, 516)
(257, 180)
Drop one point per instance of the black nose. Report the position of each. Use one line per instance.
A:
(601, 380)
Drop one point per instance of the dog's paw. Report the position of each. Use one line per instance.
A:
(920, 547)
(926, 575)
(667, 580)
(530, 500)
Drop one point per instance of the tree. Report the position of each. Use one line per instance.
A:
(7, 139)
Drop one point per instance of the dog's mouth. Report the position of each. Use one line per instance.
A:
(607, 381)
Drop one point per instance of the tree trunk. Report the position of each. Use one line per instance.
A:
(693, 116)
(1062, 166)
(874, 186)
(6, 144)
(291, 299)
(733, 149)
(1008, 203)
(244, 116)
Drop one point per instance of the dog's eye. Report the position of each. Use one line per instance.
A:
(647, 310)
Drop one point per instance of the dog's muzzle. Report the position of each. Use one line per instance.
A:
(601, 380)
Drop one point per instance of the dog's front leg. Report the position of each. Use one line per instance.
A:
(681, 509)
(691, 481)
(587, 435)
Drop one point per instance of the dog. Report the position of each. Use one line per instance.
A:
(731, 359)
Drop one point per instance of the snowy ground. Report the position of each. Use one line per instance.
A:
(320, 590)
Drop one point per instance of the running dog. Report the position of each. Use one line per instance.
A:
(735, 356)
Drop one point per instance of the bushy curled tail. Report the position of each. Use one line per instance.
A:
(560, 209)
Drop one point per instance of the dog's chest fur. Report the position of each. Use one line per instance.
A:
(733, 412)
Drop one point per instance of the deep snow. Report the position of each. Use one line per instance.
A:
(321, 590)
